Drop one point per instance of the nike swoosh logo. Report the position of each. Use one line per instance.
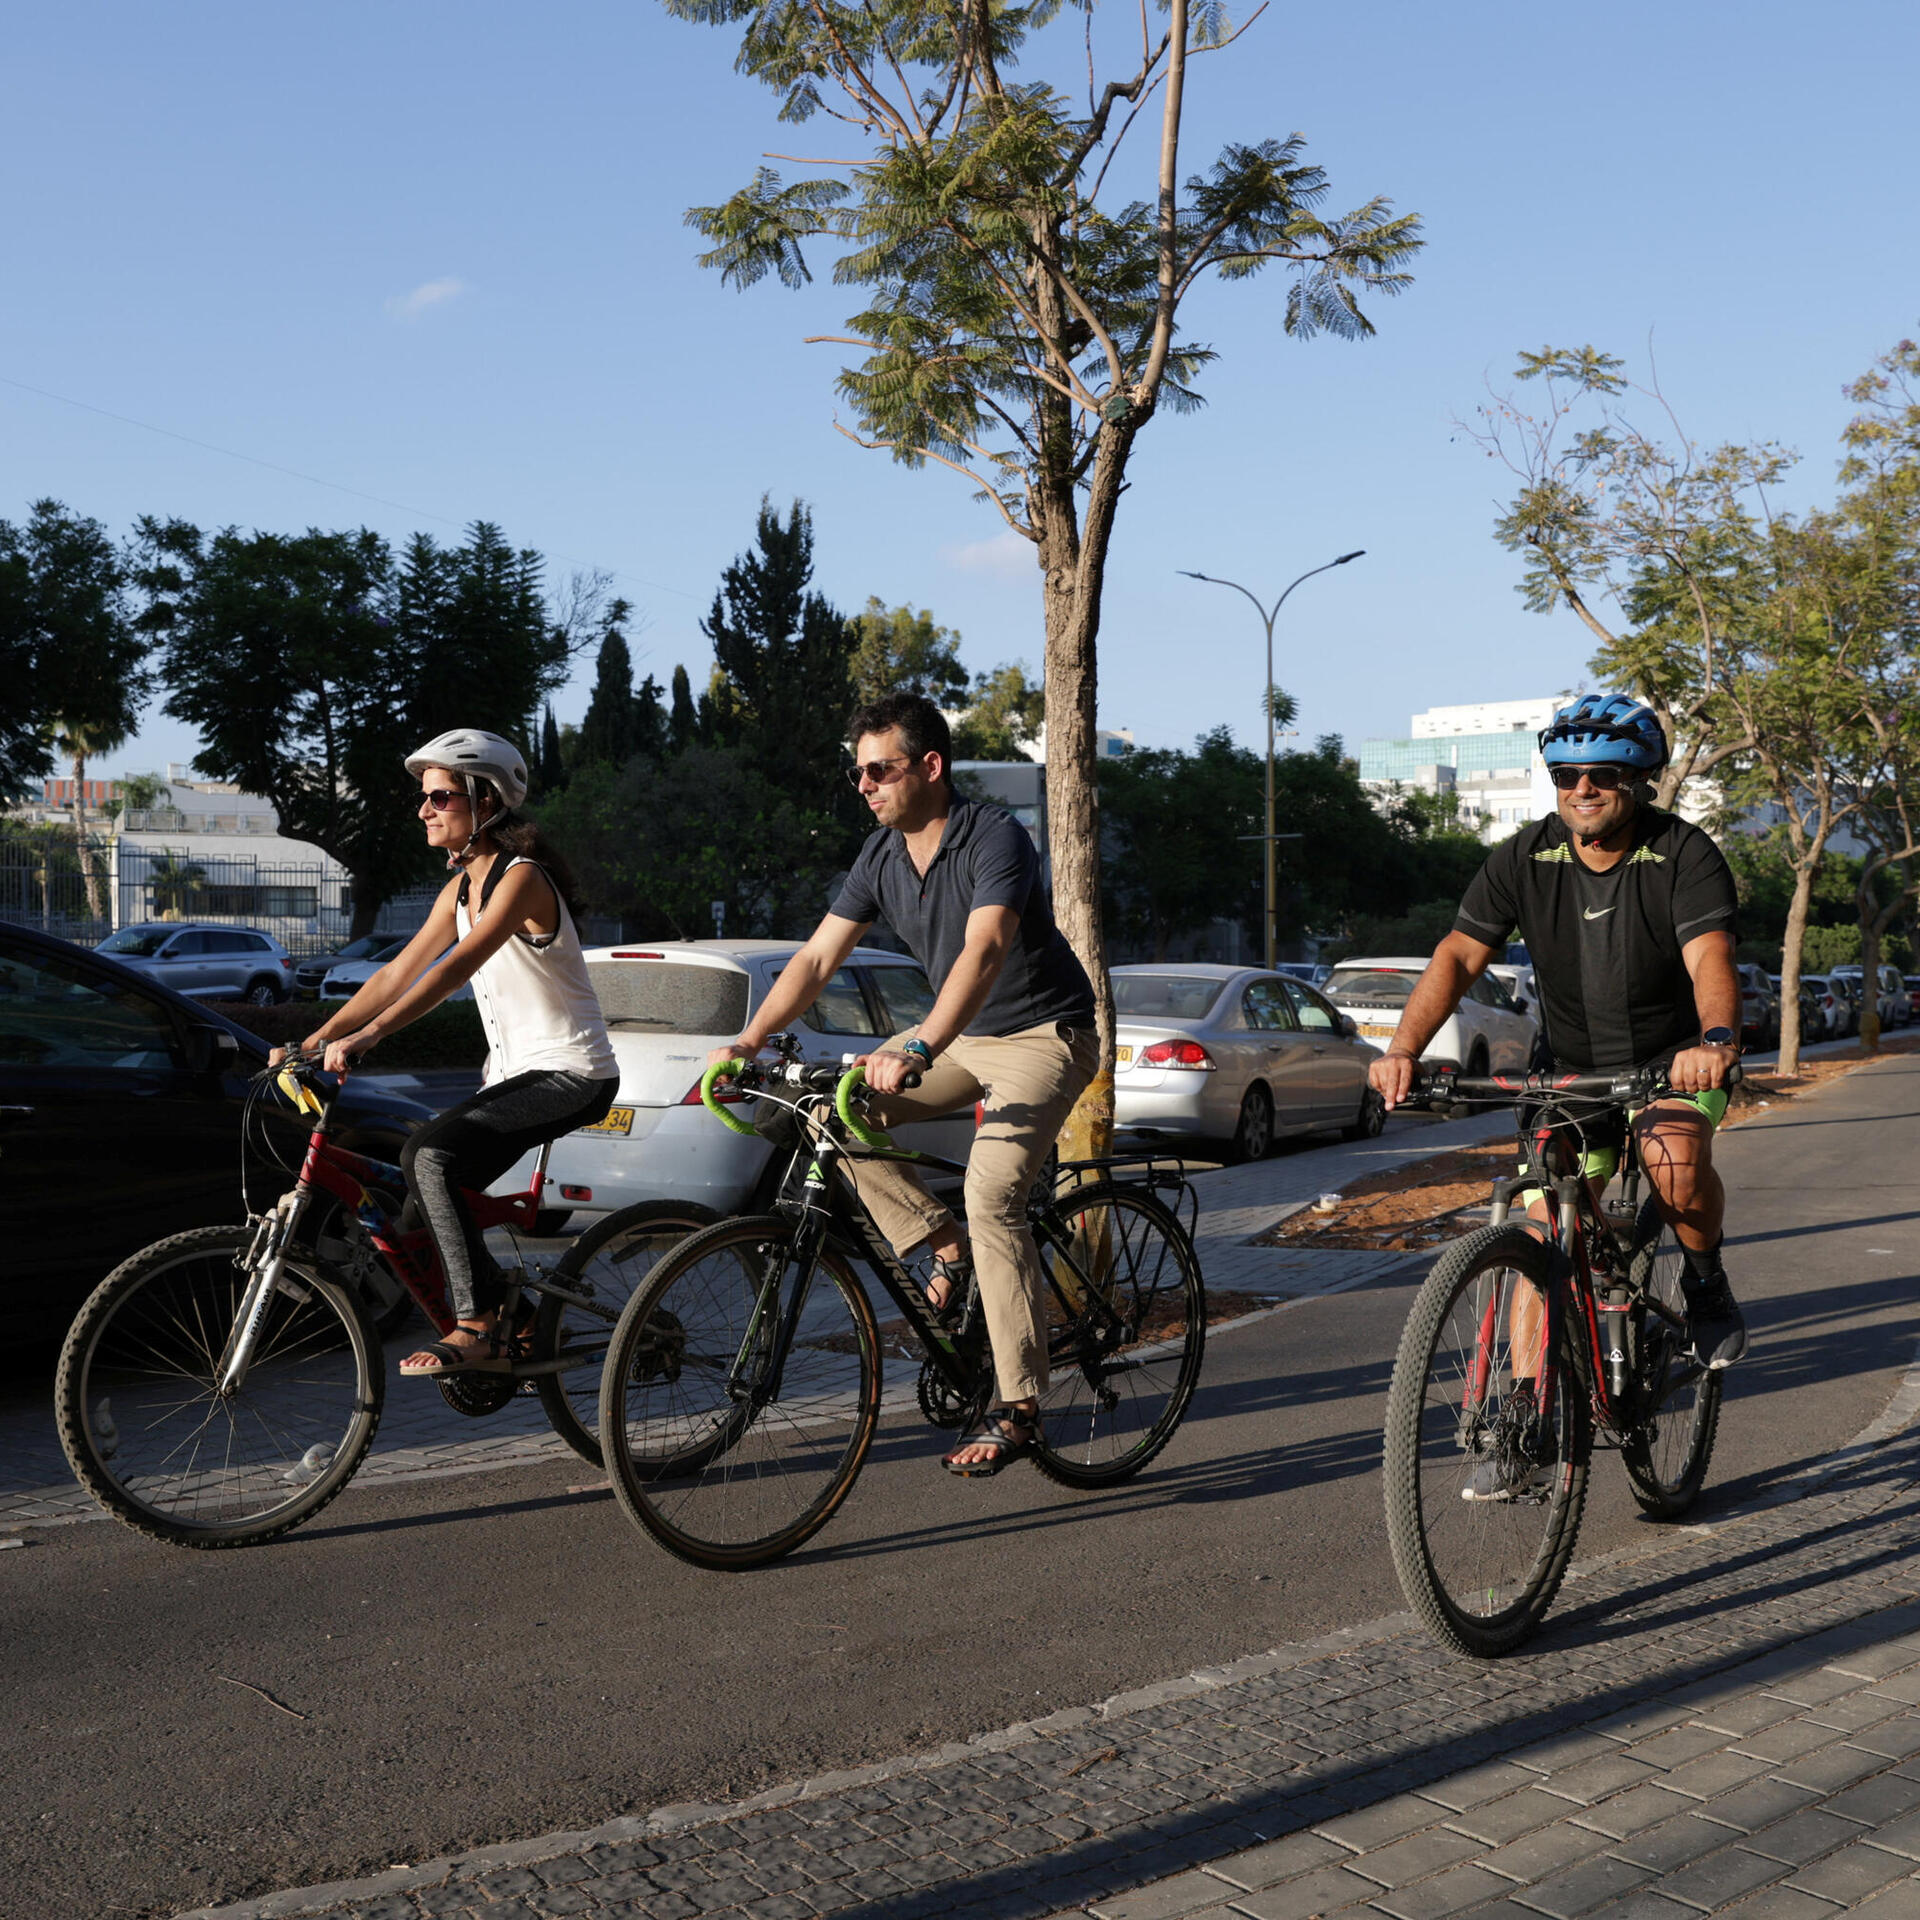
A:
(1596, 913)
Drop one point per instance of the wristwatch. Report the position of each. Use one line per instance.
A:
(1720, 1037)
(919, 1049)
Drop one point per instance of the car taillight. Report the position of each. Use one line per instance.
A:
(286, 960)
(1178, 1053)
(725, 1095)
(576, 1193)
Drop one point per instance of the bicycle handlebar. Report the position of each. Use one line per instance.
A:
(725, 1070)
(1634, 1087)
(750, 1075)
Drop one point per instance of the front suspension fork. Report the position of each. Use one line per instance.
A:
(266, 1267)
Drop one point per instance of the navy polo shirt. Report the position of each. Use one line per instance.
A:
(985, 859)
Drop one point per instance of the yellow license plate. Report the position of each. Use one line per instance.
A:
(1122, 1056)
(618, 1120)
(1379, 1033)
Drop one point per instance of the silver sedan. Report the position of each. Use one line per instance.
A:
(1236, 1054)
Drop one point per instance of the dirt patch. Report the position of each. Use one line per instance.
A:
(1411, 1209)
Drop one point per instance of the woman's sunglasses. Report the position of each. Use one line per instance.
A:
(1601, 779)
(441, 798)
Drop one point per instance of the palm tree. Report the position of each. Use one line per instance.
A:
(81, 740)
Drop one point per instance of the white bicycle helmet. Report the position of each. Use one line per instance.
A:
(477, 755)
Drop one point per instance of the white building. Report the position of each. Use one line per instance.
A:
(1484, 753)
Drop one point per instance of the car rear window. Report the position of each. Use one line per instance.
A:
(1172, 996)
(141, 942)
(659, 996)
(1383, 986)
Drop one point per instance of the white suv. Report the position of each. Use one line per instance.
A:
(1486, 1033)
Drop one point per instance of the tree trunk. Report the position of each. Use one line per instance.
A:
(366, 908)
(1790, 961)
(89, 858)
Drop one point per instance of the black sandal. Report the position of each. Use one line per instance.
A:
(956, 1276)
(489, 1355)
(1000, 1428)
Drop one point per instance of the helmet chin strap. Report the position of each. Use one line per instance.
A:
(456, 861)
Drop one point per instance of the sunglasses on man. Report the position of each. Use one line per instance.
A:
(1601, 779)
(882, 773)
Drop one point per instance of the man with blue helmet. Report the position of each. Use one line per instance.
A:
(1628, 915)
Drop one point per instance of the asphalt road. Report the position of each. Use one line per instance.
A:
(486, 1658)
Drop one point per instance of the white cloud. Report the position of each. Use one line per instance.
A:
(429, 294)
(1007, 556)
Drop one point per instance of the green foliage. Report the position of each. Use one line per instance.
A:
(1417, 931)
(449, 1037)
(897, 650)
(552, 765)
(1824, 948)
(610, 733)
(1003, 715)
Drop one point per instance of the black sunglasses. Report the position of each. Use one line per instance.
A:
(441, 798)
(1601, 779)
(881, 772)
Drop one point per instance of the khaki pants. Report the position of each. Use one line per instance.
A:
(1027, 1083)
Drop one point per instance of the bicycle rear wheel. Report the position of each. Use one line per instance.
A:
(1666, 1453)
(703, 1452)
(608, 1263)
(1126, 1329)
(146, 1428)
(1482, 1512)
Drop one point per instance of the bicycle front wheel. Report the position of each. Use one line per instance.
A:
(1667, 1450)
(1484, 1487)
(154, 1440)
(607, 1264)
(723, 1454)
(1126, 1329)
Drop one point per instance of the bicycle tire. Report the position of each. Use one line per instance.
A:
(1117, 1392)
(1667, 1453)
(302, 1422)
(717, 1477)
(610, 1261)
(1480, 1573)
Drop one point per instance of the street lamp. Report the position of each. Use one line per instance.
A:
(1268, 619)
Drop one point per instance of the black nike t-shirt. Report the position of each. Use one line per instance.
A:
(1606, 947)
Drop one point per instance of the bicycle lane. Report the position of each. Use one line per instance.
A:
(1236, 1538)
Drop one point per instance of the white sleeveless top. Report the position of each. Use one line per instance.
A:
(537, 1004)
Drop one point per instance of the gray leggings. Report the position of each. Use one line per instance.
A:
(476, 1142)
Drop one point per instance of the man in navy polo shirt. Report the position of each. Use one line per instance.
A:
(1012, 1028)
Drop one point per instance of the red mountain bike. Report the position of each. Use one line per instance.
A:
(1520, 1353)
(223, 1385)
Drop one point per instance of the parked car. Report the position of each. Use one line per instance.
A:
(666, 1007)
(1313, 972)
(1759, 1009)
(206, 962)
(121, 1103)
(1895, 1008)
(342, 982)
(1832, 1011)
(1486, 1033)
(1520, 984)
(1912, 981)
(310, 972)
(1237, 1055)
(1847, 988)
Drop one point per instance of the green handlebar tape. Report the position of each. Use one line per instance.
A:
(842, 1096)
(729, 1069)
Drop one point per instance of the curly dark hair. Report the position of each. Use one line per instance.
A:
(922, 726)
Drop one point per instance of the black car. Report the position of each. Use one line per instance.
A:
(120, 1106)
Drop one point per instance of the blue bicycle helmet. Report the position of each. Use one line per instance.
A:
(1605, 730)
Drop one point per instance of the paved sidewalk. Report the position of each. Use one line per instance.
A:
(421, 1436)
(1727, 1719)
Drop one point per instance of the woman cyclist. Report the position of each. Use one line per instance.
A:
(550, 1068)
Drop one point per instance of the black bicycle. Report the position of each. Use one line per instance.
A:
(1520, 1353)
(743, 1381)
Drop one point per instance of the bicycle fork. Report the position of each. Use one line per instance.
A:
(266, 1269)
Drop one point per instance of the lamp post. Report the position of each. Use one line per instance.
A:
(1267, 619)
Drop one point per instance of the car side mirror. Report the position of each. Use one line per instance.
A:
(1349, 1026)
(211, 1049)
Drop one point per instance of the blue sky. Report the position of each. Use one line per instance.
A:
(435, 254)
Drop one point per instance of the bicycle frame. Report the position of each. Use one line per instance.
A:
(349, 1177)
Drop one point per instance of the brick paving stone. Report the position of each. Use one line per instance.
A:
(1502, 1820)
(1676, 1746)
(1459, 1791)
(1831, 1769)
(1595, 1779)
(1811, 1688)
(1877, 1801)
(1897, 1738)
(1804, 1836)
(1747, 1713)
(1166, 1899)
(1634, 1811)
(1415, 1857)
(1564, 1750)
(1758, 1804)
(1901, 1901)
(1722, 1878)
(1446, 1893)
(1579, 1889)
(1904, 1687)
(1852, 1873)
(1673, 1843)
(1777, 1903)
(1544, 1852)
(1325, 1890)
(1786, 1741)
(1714, 1773)
(1647, 1903)
(1278, 1860)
